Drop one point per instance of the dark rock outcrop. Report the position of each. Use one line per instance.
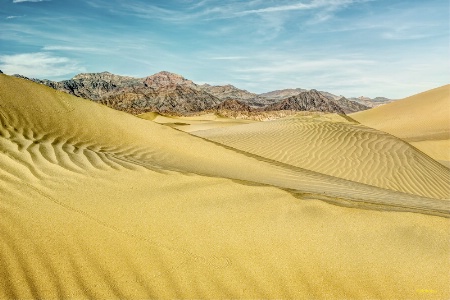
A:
(307, 101)
(350, 106)
(171, 99)
(234, 105)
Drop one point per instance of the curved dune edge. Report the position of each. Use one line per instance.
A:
(99, 204)
(418, 117)
(340, 148)
(422, 120)
(189, 124)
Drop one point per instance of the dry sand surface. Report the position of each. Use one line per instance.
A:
(195, 123)
(340, 148)
(98, 204)
(422, 120)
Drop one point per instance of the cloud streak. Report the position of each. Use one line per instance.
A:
(73, 49)
(20, 1)
(228, 57)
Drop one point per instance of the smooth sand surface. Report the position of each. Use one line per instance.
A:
(194, 123)
(95, 203)
(422, 119)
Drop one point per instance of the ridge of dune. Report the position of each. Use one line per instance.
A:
(418, 117)
(340, 149)
(423, 120)
(188, 124)
(96, 203)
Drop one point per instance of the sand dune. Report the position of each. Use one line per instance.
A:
(195, 123)
(95, 203)
(422, 120)
(342, 149)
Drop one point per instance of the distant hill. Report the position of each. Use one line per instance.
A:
(171, 93)
(377, 101)
(228, 91)
(282, 94)
(349, 106)
(309, 100)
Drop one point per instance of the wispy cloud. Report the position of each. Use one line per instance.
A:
(409, 32)
(40, 64)
(73, 49)
(213, 10)
(20, 1)
(228, 57)
(279, 8)
(298, 65)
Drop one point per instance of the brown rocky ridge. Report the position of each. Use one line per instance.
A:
(171, 93)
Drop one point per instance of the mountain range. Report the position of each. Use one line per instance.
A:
(171, 93)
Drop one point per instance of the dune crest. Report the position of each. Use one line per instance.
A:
(422, 120)
(341, 149)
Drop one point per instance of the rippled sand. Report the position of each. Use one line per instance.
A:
(423, 120)
(95, 203)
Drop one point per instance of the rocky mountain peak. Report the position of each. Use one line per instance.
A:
(103, 76)
(227, 92)
(282, 94)
(310, 100)
(165, 78)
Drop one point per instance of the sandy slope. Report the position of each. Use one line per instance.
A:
(189, 124)
(96, 203)
(422, 119)
(342, 149)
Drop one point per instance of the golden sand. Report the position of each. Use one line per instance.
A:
(340, 148)
(422, 119)
(95, 203)
(194, 123)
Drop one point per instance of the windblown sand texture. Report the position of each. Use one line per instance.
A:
(98, 204)
(341, 149)
(422, 120)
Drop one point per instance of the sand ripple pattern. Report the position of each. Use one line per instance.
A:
(345, 150)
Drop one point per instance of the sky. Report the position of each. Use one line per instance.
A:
(391, 48)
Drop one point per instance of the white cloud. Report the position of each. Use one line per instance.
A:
(296, 66)
(72, 48)
(19, 1)
(40, 64)
(302, 6)
(12, 17)
(228, 57)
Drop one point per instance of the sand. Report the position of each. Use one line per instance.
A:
(194, 123)
(96, 203)
(336, 146)
(422, 120)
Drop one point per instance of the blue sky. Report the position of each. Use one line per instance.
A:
(346, 47)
